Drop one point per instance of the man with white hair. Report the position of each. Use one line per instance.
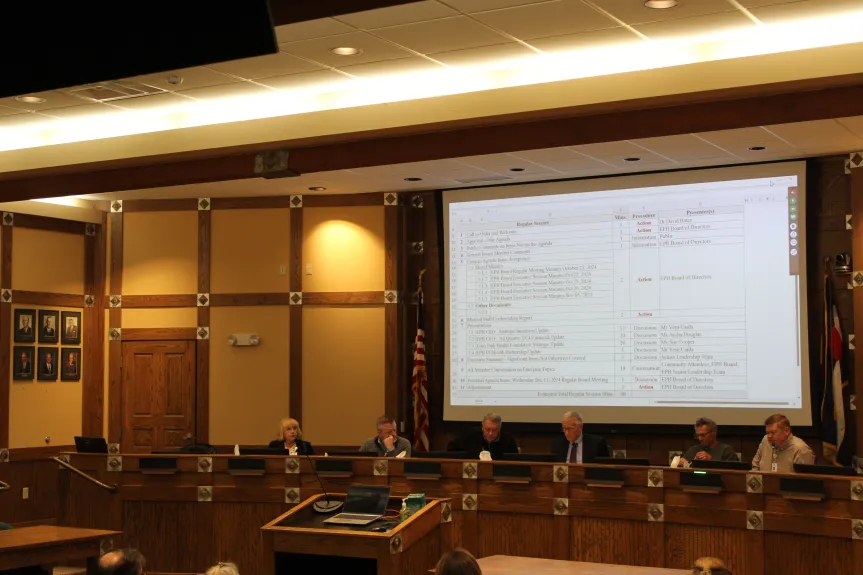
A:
(490, 438)
(576, 446)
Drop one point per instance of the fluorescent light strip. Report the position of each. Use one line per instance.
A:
(741, 43)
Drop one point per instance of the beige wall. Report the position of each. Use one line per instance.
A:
(47, 261)
(159, 317)
(343, 373)
(249, 248)
(160, 253)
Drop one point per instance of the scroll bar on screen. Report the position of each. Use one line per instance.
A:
(797, 313)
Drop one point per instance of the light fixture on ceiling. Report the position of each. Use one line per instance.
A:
(317, 189)
(174, 80)
(660, 4)
(30, 99)
(757, 148)
(632, 159)
(516, 169)
(346, 51)
(413, 179)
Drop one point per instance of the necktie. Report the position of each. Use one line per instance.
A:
(573, 453)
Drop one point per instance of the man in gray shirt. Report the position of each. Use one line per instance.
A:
(386, 443)
(708, 448)
(780, 449)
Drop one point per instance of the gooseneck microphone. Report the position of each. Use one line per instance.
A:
(323, 506)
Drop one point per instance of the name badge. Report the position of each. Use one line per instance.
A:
(774, 467)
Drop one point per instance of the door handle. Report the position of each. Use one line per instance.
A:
(188, 437)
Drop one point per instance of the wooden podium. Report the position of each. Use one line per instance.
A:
(48, 544)
(300, 542)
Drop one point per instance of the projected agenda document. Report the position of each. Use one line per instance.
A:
(684, 295)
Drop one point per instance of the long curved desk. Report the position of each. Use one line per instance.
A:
(203, 511)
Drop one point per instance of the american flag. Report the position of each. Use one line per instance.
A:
(834, 400)
(419, 383)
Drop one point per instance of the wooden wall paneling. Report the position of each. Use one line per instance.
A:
(433, 311)
(618, 541)
(5, 329)
(115, 322)
(177, 205)
(686, 543)
(343, 298)
(160, 333)
(412, 263)
(784, 553)
(521, 534)
(49, 224)
(202, 355)
(394, 297)
(40, 477)
(857, 261)
(50, 299)
(237, 534)
(161, 300)
(265, 202)
(295, 329)
(93, 387)
(248, 299)
(343, 200)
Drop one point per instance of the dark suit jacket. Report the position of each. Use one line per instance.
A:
(474, 442)
(592, 446)
(303, 447)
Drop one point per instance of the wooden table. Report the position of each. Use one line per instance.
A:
(505, 565)
(48, 545)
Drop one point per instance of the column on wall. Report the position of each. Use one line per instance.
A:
(854, 168)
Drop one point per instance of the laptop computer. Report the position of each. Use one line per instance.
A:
(91, 444)
(364, 504)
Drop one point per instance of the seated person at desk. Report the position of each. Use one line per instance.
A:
(386, 443)
(780, 450)
(290, 438)
(491, 439)
(708, 448)
(576, 446)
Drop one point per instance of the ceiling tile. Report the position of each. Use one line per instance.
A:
(684, 147)
(497, 54)
(8, 111)
(82, 112)
(696, 26)
(239, 89)
(608, 149)
(738, 142)
(373, 50)
(392, 68)
(442, 35)
(821, 137)
(471, 6)
(780, 13)
(503, 164)
(635, 12)
(321, 81)
(645, 158)
(267, 66)
(311, 29)
(155, 102)
(547, 19)
(855, 124)
(396, 15)
(548, 155)
(53, 99)
(25, 119)
(192, 78)
(587, 40)
(758, 3)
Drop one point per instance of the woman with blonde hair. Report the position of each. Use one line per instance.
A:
(457, 562)
(223, 569)
(290, 437)
(709, 566)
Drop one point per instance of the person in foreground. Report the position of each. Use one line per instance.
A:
(121, 562)
(709, 566)
(223, 569)
(490, 439)
(386, 443)
(708, 448)
(290, 437)
(457, 562)
(576, 446)
(780, 450)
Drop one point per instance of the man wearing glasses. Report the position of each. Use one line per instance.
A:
(708, 448)
(780, 450)
(576, 446)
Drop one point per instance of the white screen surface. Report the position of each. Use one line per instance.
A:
(649, 299)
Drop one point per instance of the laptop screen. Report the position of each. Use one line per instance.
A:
(367, 499)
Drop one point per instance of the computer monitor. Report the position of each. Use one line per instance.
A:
(352, 454)
(713, 464)
(534, 457)
(825, 470)
(91, 444)
(252, 450)
(635, 461)
(441, 455)
(367, 499)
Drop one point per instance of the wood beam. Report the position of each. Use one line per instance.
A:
(295, 326)
(93, 386)
(115, 320)
(393, 298)
(159, 333)
(202, 349)
(5, 330)
(857, 260)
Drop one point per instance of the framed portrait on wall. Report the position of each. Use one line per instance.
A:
(71, 328)
(46, 369)
(25, 326)
(71, 359)
(48, 321)
(22, 363)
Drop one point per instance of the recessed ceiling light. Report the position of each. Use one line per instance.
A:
(413, 179)
(346, 51)
(516, 169)
(317, 189)
(757, 148)
(31, 99)
(632, 159)
(174, 80)
(660, 4)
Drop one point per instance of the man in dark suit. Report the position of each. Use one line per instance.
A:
(48, 330)
(491, 439)
(24, 328)
(48, 365)
(576, 446)
(26, 366)
(71, 329)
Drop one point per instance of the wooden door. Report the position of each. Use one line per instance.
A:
(158, 395)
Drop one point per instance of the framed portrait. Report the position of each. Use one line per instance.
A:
(48, 322)
(71, 364)
(46, 368)
(23, 365)
(25, 326)
(70, 327)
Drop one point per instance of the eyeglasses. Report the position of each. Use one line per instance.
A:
(565, 428)
(700, 435)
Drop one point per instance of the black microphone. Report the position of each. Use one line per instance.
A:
(322, 506)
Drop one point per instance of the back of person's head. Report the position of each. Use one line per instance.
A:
(223, 569)
(457, 562)
(709, 566)
(121, 562)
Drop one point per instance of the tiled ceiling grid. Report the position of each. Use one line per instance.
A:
(427, 35)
